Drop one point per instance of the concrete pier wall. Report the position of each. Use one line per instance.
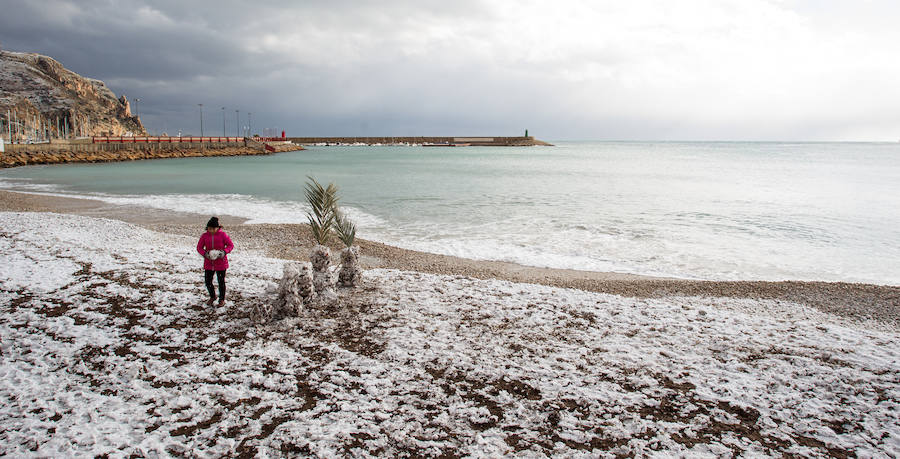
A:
(98, 147)
(472, 140)
(94, 153)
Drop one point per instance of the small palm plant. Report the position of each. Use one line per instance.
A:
(322, 218)
(322, 203)
(350, 273)
(345, 228)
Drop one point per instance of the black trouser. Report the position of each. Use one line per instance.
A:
(220, 276)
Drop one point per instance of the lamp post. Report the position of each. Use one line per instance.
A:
(137, 107)
(223, 121)
(249, 124)
(237, 122)
(201, 121)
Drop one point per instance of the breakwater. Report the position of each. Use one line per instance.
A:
(24, 155)
(380, 140)
(81, 146)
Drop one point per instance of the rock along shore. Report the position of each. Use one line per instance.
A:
(60, 156)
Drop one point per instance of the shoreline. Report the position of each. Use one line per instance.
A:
(880, 303)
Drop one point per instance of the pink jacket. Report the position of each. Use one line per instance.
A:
(218, 241)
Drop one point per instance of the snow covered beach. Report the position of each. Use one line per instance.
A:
(107, 348)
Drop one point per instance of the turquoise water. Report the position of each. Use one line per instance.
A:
(734, 210)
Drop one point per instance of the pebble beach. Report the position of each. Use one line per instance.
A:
(866, 302)
(108, 348)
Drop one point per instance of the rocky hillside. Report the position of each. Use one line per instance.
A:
(46, 99)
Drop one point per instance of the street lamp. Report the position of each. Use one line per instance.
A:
(249, 124)
(237, 122)
(201, 121)
(137, 107)
(223, 121)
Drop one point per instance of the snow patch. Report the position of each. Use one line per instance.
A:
(108, 348)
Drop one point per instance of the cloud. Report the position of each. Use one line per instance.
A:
(644, 69)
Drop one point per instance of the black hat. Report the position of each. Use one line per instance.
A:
(213, 223)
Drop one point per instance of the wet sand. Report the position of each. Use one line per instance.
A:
(292, 242)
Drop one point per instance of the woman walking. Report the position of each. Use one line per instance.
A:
(215, 246)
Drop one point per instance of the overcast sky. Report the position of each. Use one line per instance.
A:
(616, 70)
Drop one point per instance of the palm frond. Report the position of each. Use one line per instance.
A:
(319, 232)
(323, 203)
(345, 228)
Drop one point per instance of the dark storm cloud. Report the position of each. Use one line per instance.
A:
(117, 40)
(174, 55)
(733, 69)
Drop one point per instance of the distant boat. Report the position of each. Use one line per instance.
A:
(444, 144)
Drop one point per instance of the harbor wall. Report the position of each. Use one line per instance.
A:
(471, 140)
(23, 155)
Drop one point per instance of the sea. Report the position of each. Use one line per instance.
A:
(694, 210)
